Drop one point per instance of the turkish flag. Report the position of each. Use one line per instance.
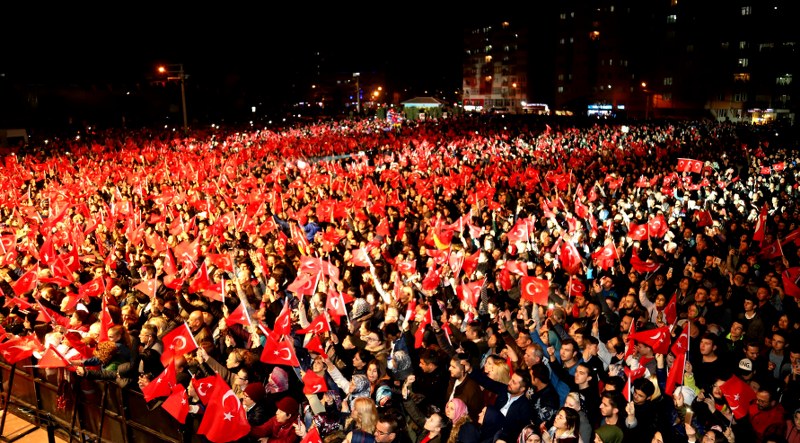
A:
(315, 345)
(335, 305)
(790, 278)
(148, 287)
(201, 280)
(570, 258)
(177, 404)
(516, 267)
(239, 316)
(169, 262)
(432, 280)
(93, 288)
(20, 348)
(360, 258)
(224, 419)
(26, 283)
(60, 270)
(47, 253)
(675, 374)
(703, 218)
(470, 263)
(303, 284)
(419, 335)
(279, 352)
(283, 323)
(761, 224)
(681, 344)
(605, 256)
(658, 339)
(406, 267)
(739, 395)
(313, 383)
(204, 387)
(518, 233)
(535, 289)
(470, 293)
(383, 227)
(161, 386)
(643, 266)
(637, 232)
(632, 374)
(657, 226)
(317, 326)
(770, 251)
(312, 436)
(671, 310)
(178, 341)
(51, 358)
(576, 287)
(221, 261)
(106, 322)
(17, 301)
(697, 166)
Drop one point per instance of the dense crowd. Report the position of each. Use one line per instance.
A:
(453, 281)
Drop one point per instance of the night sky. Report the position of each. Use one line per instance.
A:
(109, 45)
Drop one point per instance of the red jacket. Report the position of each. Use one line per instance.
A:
(761, 420)
(277, 432)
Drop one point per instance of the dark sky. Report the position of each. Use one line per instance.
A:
(110, 43)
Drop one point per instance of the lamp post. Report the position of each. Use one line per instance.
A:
(357, 75)
(181, 76)
(646, 101)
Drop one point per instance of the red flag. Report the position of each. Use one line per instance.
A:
(60, 270)
(470, 263)
(221, 261)
(315, 346)
(312, 436)
(516, 267)
(643, 266)
(406, 267)
(360, 258)
(681, 345)
(313, 383)
(570, 258)
(519, 232)
(53, 359)
(161, 386)
(605, 256)
(671, 310)
(26, 283)
(703, 218)
(432, 280)
(761, 224)
(535, 289)
(576, 287)
(770, 251)
(47, 253)
(317, 326)
(739, 395)
(657, 226)
(201, 280)
(658, 339)
(790, 278)
(177, 404)
(93, 288)
(169, 262)
(632, 374)
(675, 374)
(303, 284)
(205, 386)
(178, 341)
(106, 322)
(224, 419)
(637, 232)
(419, 335)
(148, 287)
(279, 352)
(20, 348)
(334, 305)
(238, 316)
(283, 323)
(470, 293)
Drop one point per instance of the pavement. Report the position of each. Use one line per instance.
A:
(16, 426)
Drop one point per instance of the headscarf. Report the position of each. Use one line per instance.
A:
(527, 431)
(459, 409)
(609, 434)
(361, 388)
(278, 381)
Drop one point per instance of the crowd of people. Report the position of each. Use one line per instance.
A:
(455, 281)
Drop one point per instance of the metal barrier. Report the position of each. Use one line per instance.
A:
(84, 410)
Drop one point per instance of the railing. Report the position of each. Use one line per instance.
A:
(82, 410)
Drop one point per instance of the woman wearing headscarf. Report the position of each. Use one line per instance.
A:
(463, 430)
(281, 428)
(529, 435)
(276, 388)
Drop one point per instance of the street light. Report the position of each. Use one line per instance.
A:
(646, 101)
(358, 96)
(180, 75)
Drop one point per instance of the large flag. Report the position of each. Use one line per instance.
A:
(637, 232)
(205, 386)
(178, 341)
(675, 374)
(317, 326)
(570, 258)
(657, 226)
(313, 383)
(239, 316)
(224, 419)
(689, 165)
(605, 256)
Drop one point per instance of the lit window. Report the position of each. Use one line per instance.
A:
(672, 18)
(561, 41)
(784, 80)
(594, 35)
(743, 45)
(611, 8)
(725, 45)
(560, 77)
(572, 14)
(560, 89)
(741, 77)
(746, 10)
(571, 40)
(488, 59)
(740, 97)
(563, 16)
(611, 62)
(667, 81)
(743, 62)
(667, 96)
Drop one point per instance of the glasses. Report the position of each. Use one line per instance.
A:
(373, 339)
(379, 432)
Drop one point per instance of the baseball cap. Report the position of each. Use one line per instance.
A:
(745, 366)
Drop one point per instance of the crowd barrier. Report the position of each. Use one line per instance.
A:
(82, 410)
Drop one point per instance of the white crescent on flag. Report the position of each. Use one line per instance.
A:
(228, 416)
(280, 354)
(182, 341)
(200, 390)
